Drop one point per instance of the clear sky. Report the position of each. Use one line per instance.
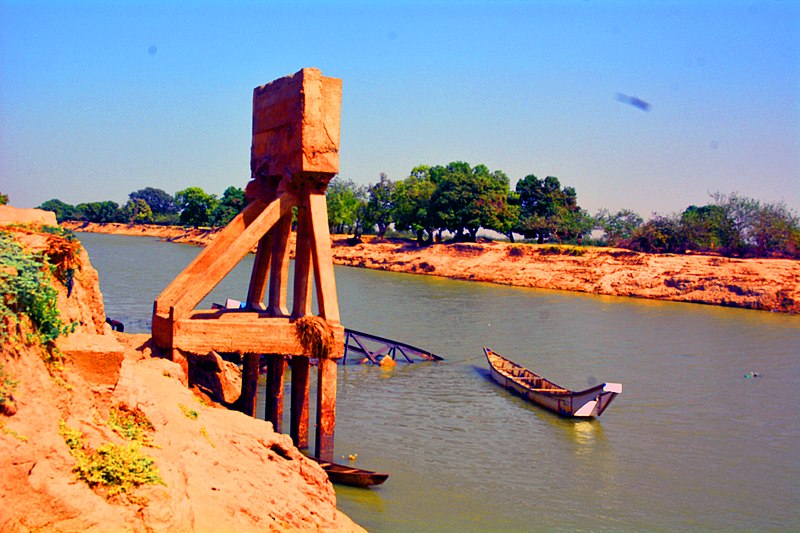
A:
(99, 99)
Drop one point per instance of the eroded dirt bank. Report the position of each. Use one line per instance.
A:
(765, 284)
(67, 439)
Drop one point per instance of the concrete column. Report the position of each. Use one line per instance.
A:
(273, 408)
(250, 383)
(326, 408)
(299, 414)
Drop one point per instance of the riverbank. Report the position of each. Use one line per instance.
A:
(763, 284)
(99, 434)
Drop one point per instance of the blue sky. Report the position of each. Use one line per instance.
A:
(99, 99)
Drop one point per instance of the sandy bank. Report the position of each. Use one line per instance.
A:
(765, 284)
(103, 414)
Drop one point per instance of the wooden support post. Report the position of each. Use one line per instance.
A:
(326, 408)
(249, 397)
(279, 272)
(299, 414)
(273, 404)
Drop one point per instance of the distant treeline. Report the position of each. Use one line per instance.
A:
(457, 200)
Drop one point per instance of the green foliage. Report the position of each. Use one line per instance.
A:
(379, 207)
(231, 204)
(131, 424)
(548, 211)
(190, 413)
(3, 199)
(118, 469)
(136, 211)
(7, 388)
(98, 212)
(573, 251)
(159, 201)
(195, 206)
(661, 234)
(466, 199)
(411, 202)
(618, 226)
(62, 210)
(346, 202)
(26, 290)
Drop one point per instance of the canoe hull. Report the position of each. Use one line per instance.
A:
(348, 475)
(543, 392)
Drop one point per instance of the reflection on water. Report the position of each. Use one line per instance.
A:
(690, 444)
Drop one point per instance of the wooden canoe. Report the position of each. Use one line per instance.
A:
(349, 475)
(543, 392)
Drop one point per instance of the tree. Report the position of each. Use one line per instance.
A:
(467, 199)
(160, 202)
(508, 219)
(568, 224)
(231, 204)
(136, 211)
(776, 231)
(411, 203)
(345, 205)
(62, 210)
(195, 206)
(708, 227)
(97, 212)
(660, 234)
(379, 208)
(545, 207)
(618, 226)
(3, 199)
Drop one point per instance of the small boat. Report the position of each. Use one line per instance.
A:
(349, 475)
(545, 393)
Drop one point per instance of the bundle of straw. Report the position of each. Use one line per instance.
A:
(315, 335)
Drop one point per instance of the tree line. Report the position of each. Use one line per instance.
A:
(189, 207)
(456, 201)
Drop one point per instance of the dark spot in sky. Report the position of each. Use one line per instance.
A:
(152, 50)
(713, 145)
(632, 100)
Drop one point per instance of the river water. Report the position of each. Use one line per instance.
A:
(691, 444)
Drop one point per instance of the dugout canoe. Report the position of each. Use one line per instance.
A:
(543, 392)
(349, 475)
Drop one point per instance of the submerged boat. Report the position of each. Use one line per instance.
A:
(543, 392)
(349, 475)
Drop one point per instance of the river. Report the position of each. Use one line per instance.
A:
(691, 444)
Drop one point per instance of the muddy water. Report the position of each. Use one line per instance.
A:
(691, 443)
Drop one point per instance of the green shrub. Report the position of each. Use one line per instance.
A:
(118, 469)
(131, 424)
(562, 250)
(7, 388)
(25, 289)
(190, 413)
